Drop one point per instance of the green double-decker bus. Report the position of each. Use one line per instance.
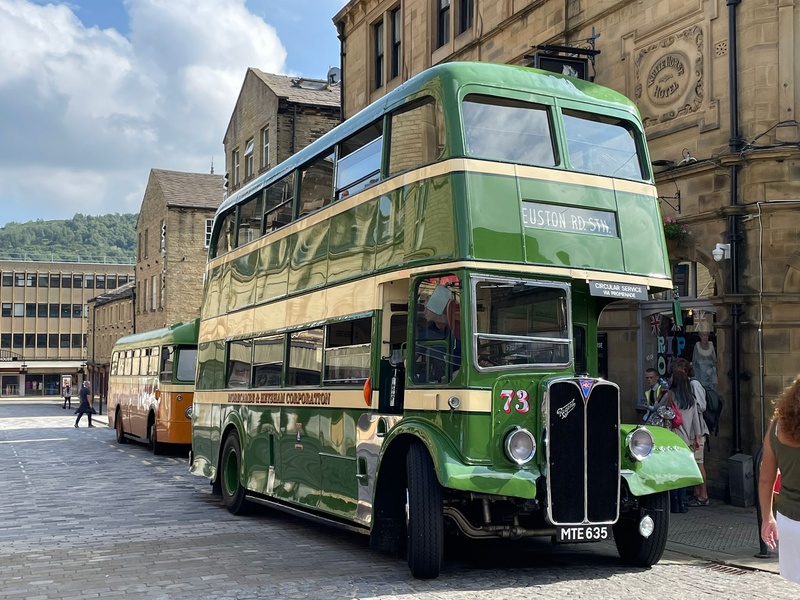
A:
(399, 323)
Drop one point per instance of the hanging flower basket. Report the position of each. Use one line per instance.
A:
(674, 230)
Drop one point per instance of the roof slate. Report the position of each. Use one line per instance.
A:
(283, 87)
(189, 190)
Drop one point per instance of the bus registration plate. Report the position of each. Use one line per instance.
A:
(583, 533)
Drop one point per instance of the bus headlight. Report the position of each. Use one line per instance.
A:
(640, 443)
(188, 413)
(520, 445)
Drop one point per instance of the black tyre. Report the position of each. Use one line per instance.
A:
(632, 547)
(233, 494)
(156, 446)
(425, 518)
(121, 439)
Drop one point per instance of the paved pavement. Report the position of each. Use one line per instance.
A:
(82, 516)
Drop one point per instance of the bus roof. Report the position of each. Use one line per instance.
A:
(443, 78)
(176, 334)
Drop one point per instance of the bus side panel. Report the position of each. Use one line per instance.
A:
(339, 490)
(496, 229)
(259, 442)
(297, 470)
(172, 424)
(205, 439)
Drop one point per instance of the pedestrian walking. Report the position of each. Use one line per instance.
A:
(66, 392)
(85, 407)
(782, 454)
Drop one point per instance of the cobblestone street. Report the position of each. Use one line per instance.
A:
(84, 517)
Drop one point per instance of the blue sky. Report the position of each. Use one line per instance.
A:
(95, 93)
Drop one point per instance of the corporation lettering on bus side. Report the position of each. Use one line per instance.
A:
(293, 398)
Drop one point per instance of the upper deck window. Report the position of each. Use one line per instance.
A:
(225, 240)
(250, 214)
(508, 130)
(359, 164)
(316, 185)
(602, 145)
(417, 136)
(279, 198)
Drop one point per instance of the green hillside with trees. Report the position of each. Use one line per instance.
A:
(83, 238)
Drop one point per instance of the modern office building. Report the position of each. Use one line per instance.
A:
(43, 323)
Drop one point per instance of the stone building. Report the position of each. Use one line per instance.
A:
(173, 232)
(109, 317)
(714, 81)
(274, 117)
(44, 321)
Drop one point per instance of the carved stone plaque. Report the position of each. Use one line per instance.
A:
(669, 77)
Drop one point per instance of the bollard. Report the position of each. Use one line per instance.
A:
(763, 549)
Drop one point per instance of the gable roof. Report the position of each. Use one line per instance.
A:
(287, 87)
(189, 190)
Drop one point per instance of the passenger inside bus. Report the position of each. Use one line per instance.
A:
(438, 355)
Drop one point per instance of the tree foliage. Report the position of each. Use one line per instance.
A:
(82, 238)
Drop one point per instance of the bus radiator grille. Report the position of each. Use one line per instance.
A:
(583, 453)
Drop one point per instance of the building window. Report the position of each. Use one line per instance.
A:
(144, 296)
(5, 341)
(19, 309)
(76, 340)
(209, 229)
(55, 280)
(122, 280)
(89, 281)
(77, 311)
(465, 10)
(6, 309)
(154, 291)
(77, 281)
(65, 311)
(66, 281)
(396, 55)
(249, 152)
(442, 23)
(43, 278)
(41, 340)
(53, 309)
(100, 280)
(377, 32)
(163, 248)
(30, 309)
(139, 248)
(17, 340)
(31, 280)
(41, 311)
(64, 340)
(30, 340)
(19, 279)
(264, 150)
(52, 340)
(144, 248)
(111, 282)
(235, 163)
(8, 279)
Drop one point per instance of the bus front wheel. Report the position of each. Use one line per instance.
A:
(632, 547)
(233, 495)
(424, 515)
(121, 439)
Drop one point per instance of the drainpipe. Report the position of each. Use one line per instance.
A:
(734, 236)
(294, 128)
(342, 54)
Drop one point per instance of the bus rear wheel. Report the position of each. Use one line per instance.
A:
(425, 518)
(121, 439)
(233, 493)
(155, 445)
(632, 547)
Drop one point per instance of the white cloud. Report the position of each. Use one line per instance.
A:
(85, 113)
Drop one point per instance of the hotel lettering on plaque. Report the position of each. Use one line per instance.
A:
(568, 218)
